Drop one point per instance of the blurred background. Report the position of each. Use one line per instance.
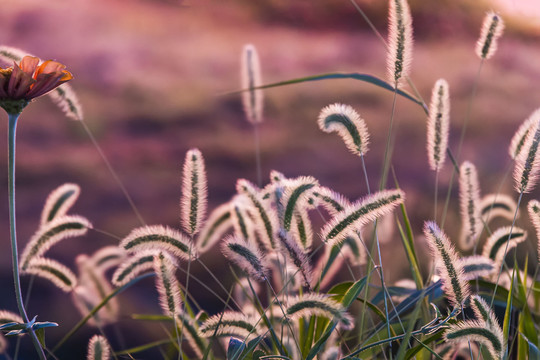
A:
(153, 76)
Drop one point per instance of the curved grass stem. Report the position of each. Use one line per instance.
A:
(12, 224)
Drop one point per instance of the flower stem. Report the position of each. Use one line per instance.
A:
(15, 257)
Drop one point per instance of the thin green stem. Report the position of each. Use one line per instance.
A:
(435, 196)
(12, 224)
(506, 249)
(387, 152)
(461, 138)
(257, 138)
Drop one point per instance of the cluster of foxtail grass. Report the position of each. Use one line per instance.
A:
(285, 302)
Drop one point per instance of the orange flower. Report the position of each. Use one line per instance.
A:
(30, 79)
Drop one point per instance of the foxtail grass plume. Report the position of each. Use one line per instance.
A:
(54, 231)
(479, 331)
(264, 217)
(498, 205)
(242, 222)
(438, 125)
(346, 122)
(296, 255)
(296, 195)
(9, 317)
(59, 202)
(252, 98)
(307, 305)
(534, 213)
(167, 285)
(160, 238)
(477, 266)
(518, 140)
(247, 256)
(194, 192)
(64, 96)
(451, 271)
(134, 266)
(528, 160)
(231, 323)
(57, 273)
(301, 229)
(361, 213)
(483, 311)
(98, 348)
(469, 200)
(492, 29)
(108, 257)
(458, 350)
(330, 200)
(502, 240)
(217, 224)
(400, 41)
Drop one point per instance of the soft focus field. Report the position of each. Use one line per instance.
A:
(152, 77)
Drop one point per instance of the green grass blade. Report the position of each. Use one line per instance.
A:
(144, 347)
(339, 75)
(423, 345)
(508, 312)
(412, 322)
(309, 336)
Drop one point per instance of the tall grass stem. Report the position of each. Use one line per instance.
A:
(13, 232)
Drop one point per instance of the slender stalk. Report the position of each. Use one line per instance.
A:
(436, 195)
(180, 356)
(387, 152)
(461, 138)
(14, 253)
(506, 249)
(386, 167)
(257, 153)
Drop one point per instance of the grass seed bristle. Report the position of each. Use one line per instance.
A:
(492, 29)
(252, 98)
(438, 125)
(469, 199)
(60, 228)
(455, 286)
(400, 41)
(194, 192)
(348, 124)
(159, 237)
(98, 348)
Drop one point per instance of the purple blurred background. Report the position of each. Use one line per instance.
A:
(151, 77)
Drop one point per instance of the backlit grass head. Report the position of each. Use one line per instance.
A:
(348, 124)
(252, 98)
(194, 192)
(527, 162)
(492, 29)
(451, 271)
(400, 41)
(469, 199)
(438, 125)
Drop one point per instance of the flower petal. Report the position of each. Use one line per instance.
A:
(29, 64)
